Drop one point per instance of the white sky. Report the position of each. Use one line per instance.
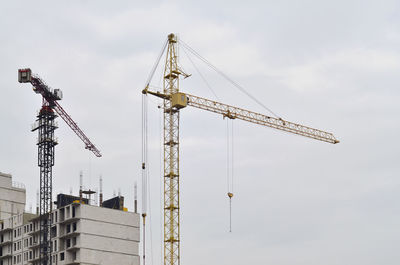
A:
(332, 65)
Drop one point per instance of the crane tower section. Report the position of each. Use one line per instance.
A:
(171, 157)
(45, 125)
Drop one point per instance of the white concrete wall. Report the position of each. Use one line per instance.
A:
(12, 199)
(90, 257)
(109, 215)
(109, 244)
(5, 180)
(104, 229)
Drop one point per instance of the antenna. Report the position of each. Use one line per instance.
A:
(37, 201)
(96, 198)
(101, 191)
(119, 192)
(135, 196)
(80, 186)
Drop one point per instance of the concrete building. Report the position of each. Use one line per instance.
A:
(86, 235)
(12, 197)
(81, 234)
(14, 239)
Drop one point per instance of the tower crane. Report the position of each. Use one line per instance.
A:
(45, 125)
(173, 102)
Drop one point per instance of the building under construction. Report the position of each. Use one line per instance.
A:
(81, 233)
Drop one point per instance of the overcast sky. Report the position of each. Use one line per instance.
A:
(332, 65)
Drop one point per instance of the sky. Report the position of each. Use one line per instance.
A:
(331, 65)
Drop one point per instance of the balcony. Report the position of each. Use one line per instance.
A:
(34, 245)
(6, 242)
(5, 256)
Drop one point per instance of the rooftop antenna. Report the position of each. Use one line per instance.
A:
(70, 190)
(101, 191)
(114, 194)
(135, 196)
(96, 198)
(119, 192)
(80, 186)
(37, 201)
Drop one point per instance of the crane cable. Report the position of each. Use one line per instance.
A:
(230, 166)
(160, 130)
(226, 77)
(153, 70)
(202, 77)
(144, 171)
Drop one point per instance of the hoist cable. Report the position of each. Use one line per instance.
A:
(150, 215)
(227, 155)
(144, 172)
(144, 152)
(230, 166)
(161, 180)
(232, 154)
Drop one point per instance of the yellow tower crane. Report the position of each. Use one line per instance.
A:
(173, 101)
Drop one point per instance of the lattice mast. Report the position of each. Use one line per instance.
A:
(171, 157)
(45, 125)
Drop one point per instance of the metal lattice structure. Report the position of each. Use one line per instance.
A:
(171, 158)
(45, 125)
(232, 112)
(173, 102)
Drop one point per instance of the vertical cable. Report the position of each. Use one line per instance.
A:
(144, 172)
(233, 154)
(160, 124)
(227, 155)
(229, 158)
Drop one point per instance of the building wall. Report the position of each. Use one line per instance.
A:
(14, 239)
(95, 235)
(12, 197)
(81, 234)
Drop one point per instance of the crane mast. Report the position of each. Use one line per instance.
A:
(46, 125)
(173, 101)
(171, 157)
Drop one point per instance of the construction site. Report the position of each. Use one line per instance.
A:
(77, 229)
(175, 133)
